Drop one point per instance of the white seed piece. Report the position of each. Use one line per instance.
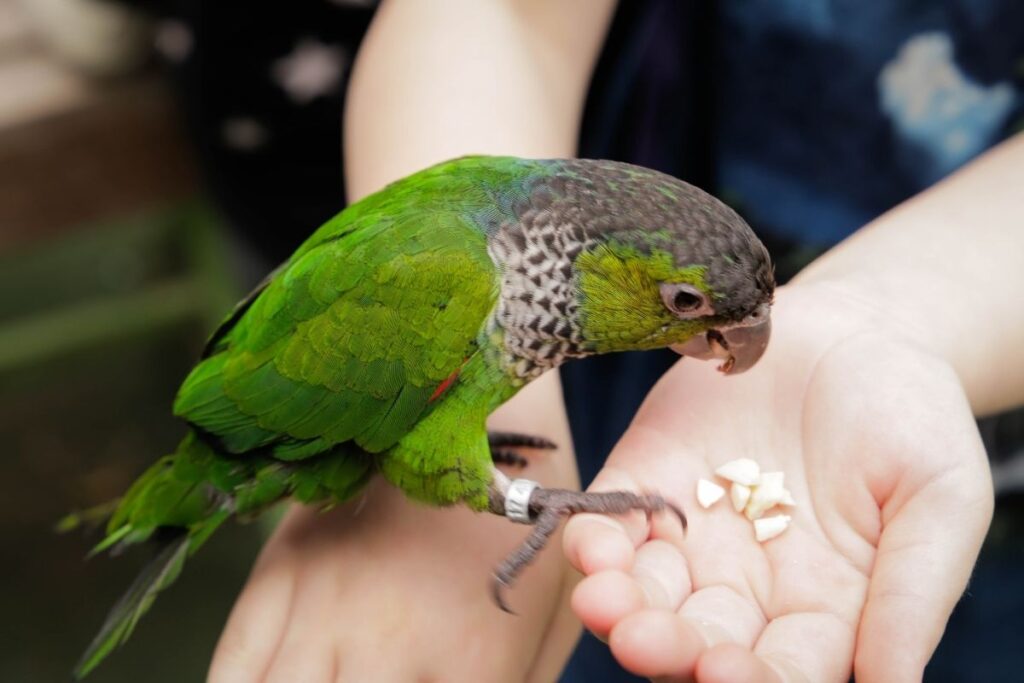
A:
(774, 481)
(740, 494)
(741, 471)
(708, 492)
(766, 495)
(754, 511)
(769, 527)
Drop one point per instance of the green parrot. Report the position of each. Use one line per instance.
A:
(385, 341)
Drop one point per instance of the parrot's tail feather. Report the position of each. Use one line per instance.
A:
(110, 540)
(156, 576)
(89, 518)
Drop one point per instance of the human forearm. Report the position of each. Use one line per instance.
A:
(946, 268)
(442, 79)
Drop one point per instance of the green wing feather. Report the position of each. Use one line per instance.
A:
(351, 338)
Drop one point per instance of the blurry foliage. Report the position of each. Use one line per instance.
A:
(96, 332)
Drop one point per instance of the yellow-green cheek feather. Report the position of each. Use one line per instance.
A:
(621, 305)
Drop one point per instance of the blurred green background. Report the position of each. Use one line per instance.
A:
(112, 270)
(97, 328)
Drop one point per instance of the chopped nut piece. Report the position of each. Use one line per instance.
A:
(787, 498)
(708, 492)
(766, 495)
(770, 527)
(742, 471)
(740, 494)
(773, 480)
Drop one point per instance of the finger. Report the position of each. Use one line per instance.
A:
(256, 625)
(659, 580)
(656, 643)
(808, 646)
(306, 651)
(732, 663)
(371, 666)
(594, 543)
(662, 575)
(721, 615)
(925, 556)
(311, 661)
(669, 645)
(604, 599)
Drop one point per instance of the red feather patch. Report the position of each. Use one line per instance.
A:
(448, 381)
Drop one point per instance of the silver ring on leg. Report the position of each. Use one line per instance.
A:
(517, 500)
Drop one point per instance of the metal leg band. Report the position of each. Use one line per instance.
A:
(517, 500)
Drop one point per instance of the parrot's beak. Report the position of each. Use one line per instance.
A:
(740, 345)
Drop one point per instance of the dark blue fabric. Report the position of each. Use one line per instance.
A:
(810, 117)
(831, 112)
(984, 640)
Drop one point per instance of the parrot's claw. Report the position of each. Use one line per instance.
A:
(516, 440)
(501, 444)
(504, 456)
(547, 508)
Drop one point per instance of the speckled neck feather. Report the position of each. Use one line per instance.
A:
(537, 309)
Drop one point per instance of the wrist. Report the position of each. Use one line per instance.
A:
(942, 271)
(817, 314)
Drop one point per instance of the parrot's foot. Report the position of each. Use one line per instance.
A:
(501, 444)
(525, 502)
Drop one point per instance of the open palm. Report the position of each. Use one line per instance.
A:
(882, 455)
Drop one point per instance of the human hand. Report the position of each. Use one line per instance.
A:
(384, 589)
(893, 494)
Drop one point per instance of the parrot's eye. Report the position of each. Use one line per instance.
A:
(685, 300)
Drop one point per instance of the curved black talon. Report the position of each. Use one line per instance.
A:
(509, 458)
(546, 523)
(549, 507)
(501, 444)
(498, 440)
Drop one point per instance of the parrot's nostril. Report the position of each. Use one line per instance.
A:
(758, 314)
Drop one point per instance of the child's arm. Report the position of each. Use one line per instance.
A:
(378, 590)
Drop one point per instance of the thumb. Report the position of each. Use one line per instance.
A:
(925, 556)
(595, 543)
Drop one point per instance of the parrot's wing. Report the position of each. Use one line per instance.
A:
(351, 341)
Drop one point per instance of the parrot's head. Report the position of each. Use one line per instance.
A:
(641, 260)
